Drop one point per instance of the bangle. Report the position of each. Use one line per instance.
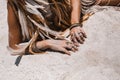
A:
(35, 48)
(75, 25)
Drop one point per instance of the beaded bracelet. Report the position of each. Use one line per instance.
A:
(75, 25)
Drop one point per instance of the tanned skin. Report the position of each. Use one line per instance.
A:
(15, 36)
(75, 18)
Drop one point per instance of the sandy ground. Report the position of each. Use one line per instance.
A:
(97, 59)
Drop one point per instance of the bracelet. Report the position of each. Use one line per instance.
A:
(34, 47)
(75, 25)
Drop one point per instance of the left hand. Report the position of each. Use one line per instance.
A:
(78, 35)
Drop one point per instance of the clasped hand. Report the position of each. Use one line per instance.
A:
(78, 35)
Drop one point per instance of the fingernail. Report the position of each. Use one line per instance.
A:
(74, 51)
(69, 54)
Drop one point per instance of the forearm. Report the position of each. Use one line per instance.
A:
(42, 45)
(76, 11)
(14, 28)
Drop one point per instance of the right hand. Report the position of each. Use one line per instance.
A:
(61, 45)
(78, 35)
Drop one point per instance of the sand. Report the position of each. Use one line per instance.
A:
(97, 59)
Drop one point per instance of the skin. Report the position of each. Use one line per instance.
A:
(75, 18)
(76, 38)
(15, 36)
(57, 45)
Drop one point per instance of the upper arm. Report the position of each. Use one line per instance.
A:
(15, 36)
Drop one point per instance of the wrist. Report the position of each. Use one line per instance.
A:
(42, 45)
(75, 25)
(73, 21)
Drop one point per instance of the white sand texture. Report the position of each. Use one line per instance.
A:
(97, 59)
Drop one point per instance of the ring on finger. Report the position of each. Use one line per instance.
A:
(74, 47)
(68, 43)
(80, 33)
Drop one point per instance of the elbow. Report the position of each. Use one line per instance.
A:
(14, 51)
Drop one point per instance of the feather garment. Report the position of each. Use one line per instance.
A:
(47, 19)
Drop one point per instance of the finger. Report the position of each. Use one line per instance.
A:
(82, 37)
(76, 44)
(75, 39)
(78, 37)
(68, 45)
(64, 51)
(71, 36)
(84, 34)
(74, 48)
(71, 47)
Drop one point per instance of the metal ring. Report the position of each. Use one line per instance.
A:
(80, 33)
(68, 43)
